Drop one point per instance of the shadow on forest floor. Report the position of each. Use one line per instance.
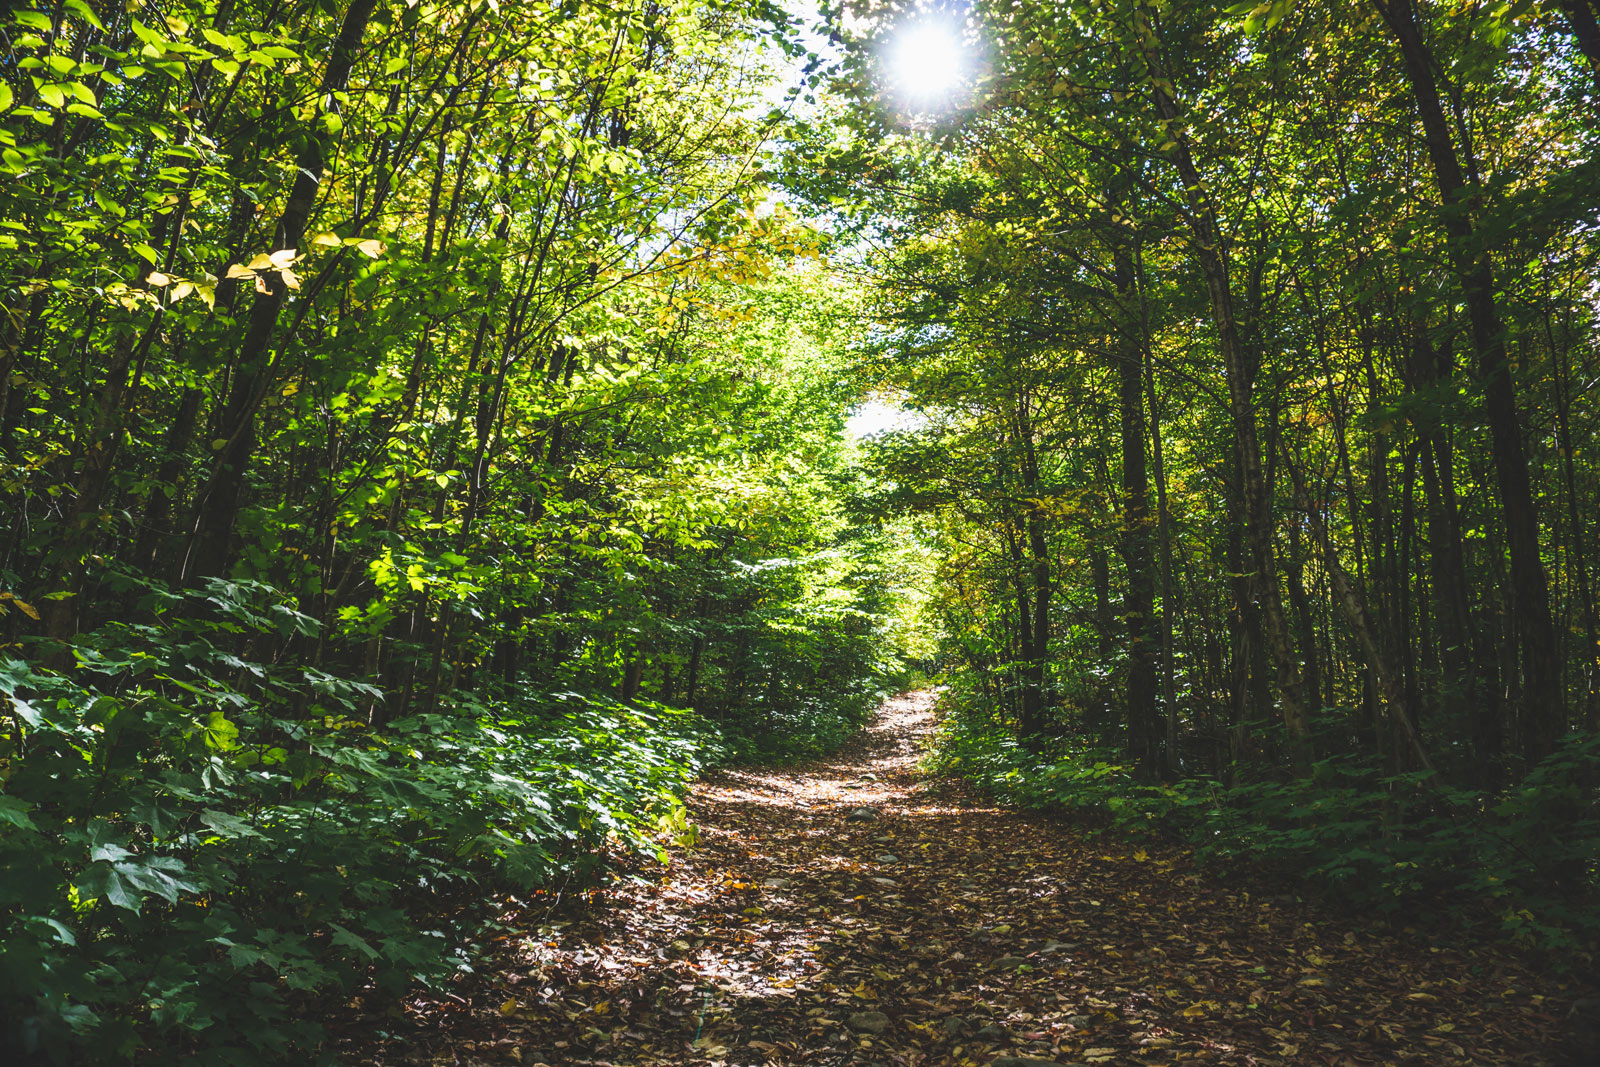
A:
(939, 929)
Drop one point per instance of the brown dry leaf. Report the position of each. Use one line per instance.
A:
(1129, 954)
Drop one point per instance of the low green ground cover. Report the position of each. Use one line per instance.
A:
(1525, 859)
(201, 848)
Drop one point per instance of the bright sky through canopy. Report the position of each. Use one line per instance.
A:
(927, 62)
(874, 417)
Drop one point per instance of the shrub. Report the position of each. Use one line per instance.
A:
(1524, 859)
(197, 845)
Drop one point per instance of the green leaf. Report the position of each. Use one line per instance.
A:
(83, 11)
(14, 811)
(63, 933)
(157, 875)
(228, 825)
(342, 936)
(103, 882)
(27, 712)
(221, 735)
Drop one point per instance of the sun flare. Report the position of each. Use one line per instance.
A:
(928, 62)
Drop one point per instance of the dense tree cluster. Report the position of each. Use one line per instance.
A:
(410, 410)
(1253, 349)
(398, 401)
(424, 315)
(1278, 316)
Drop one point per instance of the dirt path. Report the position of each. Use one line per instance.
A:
(934, 928)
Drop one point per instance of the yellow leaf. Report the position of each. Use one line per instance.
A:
(509, 1007)
(239, 270)
(370, 247)
(325, 239)
(260, 261)
(1141, 855)
(157, 279)
(283, 258)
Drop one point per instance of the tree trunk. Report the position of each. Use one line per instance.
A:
(1037, 649)
(1584, 18)
(1138, 558)
(218, 507)
(1544, 704)
(1239, 370)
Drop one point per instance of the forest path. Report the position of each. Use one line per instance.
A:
(944, 930)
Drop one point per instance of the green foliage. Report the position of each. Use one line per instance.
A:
(807, 652)
(202, 847)
(796, 729)
(404, 409)
(1523, 860)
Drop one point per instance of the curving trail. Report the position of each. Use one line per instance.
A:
(939, 929)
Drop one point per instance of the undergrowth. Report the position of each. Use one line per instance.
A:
(1523, 860)
(200, 847)
(801, 729)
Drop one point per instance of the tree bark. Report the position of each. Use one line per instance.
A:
(1239, 372)
(1138, 557)
(218, 507)
(1543, 718)
(1037, 646)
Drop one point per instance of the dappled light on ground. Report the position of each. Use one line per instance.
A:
(849, 913)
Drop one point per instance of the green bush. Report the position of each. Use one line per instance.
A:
(799, 729)
(197, 846)
(1526, 859)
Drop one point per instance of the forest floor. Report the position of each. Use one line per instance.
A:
(850, 912)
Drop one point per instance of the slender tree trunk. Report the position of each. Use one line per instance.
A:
(1037, 646)
(692, 685)
(219, 503)
(1138, 558)
(100, 450)
(1239, 370)
(632, 677)
(153, 524)
(1584, 18)
(1300, 603)
(1589, 662)
(1351, 605)
(1544, 701)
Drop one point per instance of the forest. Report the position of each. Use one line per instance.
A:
(435, 434)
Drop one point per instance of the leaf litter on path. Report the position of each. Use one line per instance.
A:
(848, 912)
